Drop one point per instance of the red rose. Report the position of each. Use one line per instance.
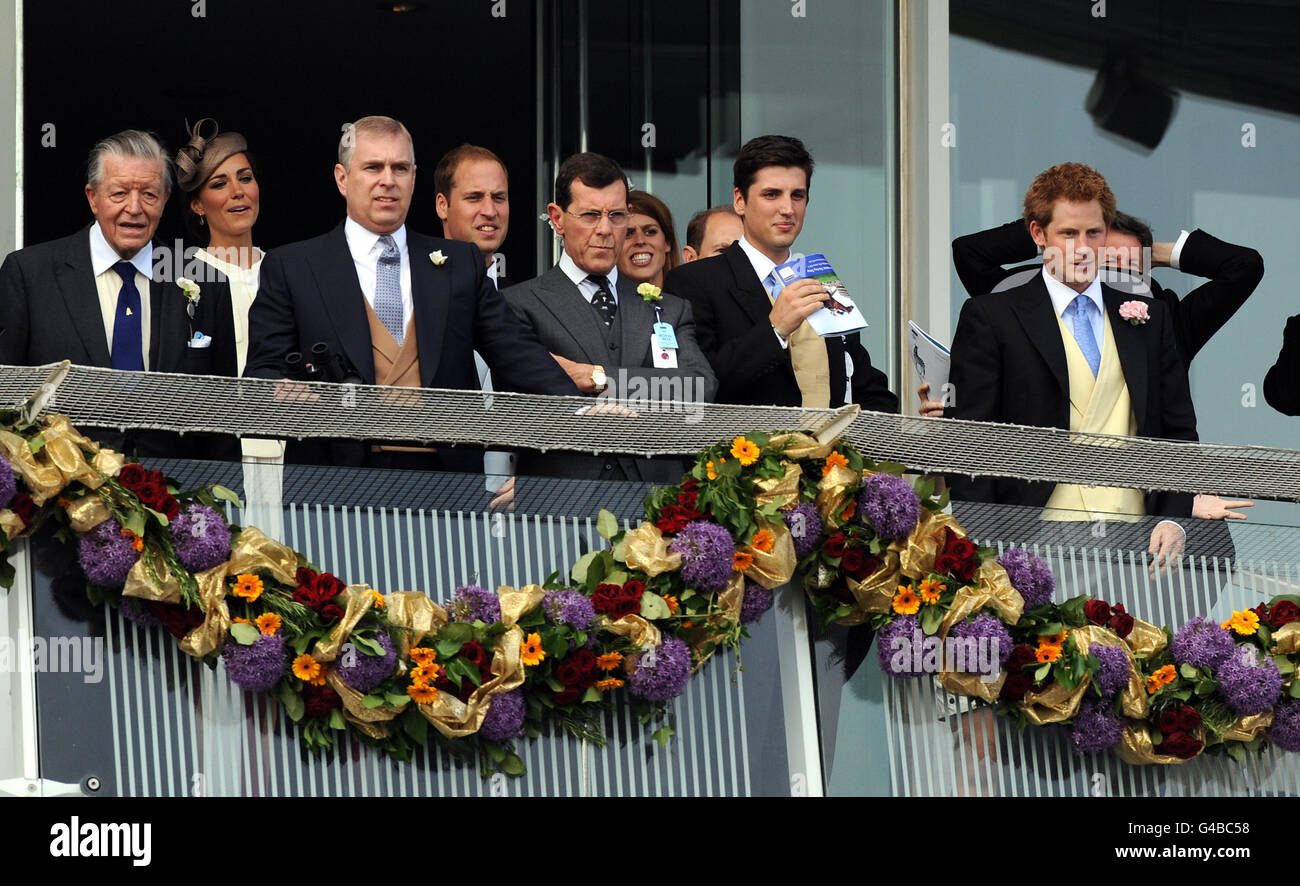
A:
(1121, 622)
(1097, 611)
(852, 560)
(1180, 745)
(169, 507)
(958, 558)
(568, 696)
(1168, 721)
(326, 587)
(331, 612)
(131, 476)
(961, 548)
(1016, 685)
(24, 507)
(634, 589)
(1021, 655)
(840, 591)
(305, 576)
(945, 564)
(834, 546)
(673, 518)
(150, 493)
(1283, 612)
(303, 596)
(176, 620)
(156, 477)
(870, 563)
(1188, 718)
(472, 652)
(578, 670)
(320, 700)
(1261, 612)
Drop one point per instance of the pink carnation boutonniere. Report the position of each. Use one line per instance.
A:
(1134, 312)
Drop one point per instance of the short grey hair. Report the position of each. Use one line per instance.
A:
(131, 143)
(370, 126)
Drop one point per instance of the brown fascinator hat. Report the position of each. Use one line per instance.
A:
(202, 154)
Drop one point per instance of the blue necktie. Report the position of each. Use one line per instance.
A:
(388, 289)
(1083, 334)
(602, 300)
(128, 347)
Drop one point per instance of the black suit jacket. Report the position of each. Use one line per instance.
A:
(309, 293)
(1282, 383)
(1009, 365)
(731, 319)
(49, 311)
(1234, 272)
(555, 309)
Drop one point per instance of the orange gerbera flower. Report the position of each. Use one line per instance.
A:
(1153, 684)
(1047, 652)
(688, 623)
(763, 541)
(425, 675)
(905, 601)
(930, 590)
(849, 511)
(741, 560)
(248, 586)
(531, 650)
(745, 450)
(240, 621)
(609, 660)
(377, 600)
(832, 460)
(1244, 623)
(268, 623)
(1055, 639)
(611, 683)
(673, 605)
(137, 543)
(1166, 674)
(306, 668)
(422, 694)
(711, 472)
(422, 655)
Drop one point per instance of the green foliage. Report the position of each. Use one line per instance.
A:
(244, 634)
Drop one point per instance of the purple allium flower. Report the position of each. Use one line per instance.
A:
(1249, 684)
(992, 631)
(472, 603)
(758, 600)
(106, 555)
(134, 611)
(258, 667)
(706, 550)
(8, 484)
(570, 607)
(1030, 576)
(1202, 643)
(890, 504)
(1096, 727)
(1112, 669)
(805, 527)
(200, 538)
(364, 672)
(1285, 731)
(896, 645)
(662, 674)
(505, 717)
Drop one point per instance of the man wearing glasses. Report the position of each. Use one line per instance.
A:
(613, 341)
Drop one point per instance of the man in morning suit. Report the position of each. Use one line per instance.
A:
(596, 324)
(761, 346)
(92, 297)
(402, 308)
(1055, 352)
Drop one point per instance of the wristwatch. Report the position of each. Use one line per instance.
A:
(598, 378)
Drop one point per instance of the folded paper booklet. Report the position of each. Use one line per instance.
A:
(930, 358)
(839, 315)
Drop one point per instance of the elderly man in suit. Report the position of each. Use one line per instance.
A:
(753, 329)
(94, 297)
(401, 308)
(1057, 351)
(607, 336)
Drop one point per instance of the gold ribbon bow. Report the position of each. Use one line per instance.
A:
(647, 550)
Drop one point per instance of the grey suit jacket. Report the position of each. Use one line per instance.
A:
(565, 322)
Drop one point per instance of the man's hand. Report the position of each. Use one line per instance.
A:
(796, 302)
(1167, 541)
(505, 497)
(1161, 253)
(288, 389)
(580, 373)
(1211, 507)
(929, 408)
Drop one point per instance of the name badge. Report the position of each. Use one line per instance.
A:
(665, 335)
(664, 358)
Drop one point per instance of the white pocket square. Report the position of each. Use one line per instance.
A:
(200, 341)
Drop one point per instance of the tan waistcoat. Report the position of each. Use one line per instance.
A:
(395, 367)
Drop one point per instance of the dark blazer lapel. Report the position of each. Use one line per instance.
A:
(431, 294)
(1033, 308)
(1131, 342)
(749, 293)
(336, 281)
(637, 318)
(76, 281)
(561, 297)
(160, 344)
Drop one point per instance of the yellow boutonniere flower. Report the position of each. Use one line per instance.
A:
(650, 292)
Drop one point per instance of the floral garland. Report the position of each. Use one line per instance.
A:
(640, 616)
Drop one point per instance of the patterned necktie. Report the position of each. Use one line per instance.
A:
(128, 347)
(1083, 334)
(388, 290)
(602, 301)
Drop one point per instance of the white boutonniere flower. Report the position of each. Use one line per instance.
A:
(190, 288)
(437, 257)
(649, 292)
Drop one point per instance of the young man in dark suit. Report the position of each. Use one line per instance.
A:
(759, 344)
(599, 328)
(372, 277)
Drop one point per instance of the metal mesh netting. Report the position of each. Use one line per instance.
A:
(261, 408)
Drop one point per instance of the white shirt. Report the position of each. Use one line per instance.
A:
(763, 266)
(243, 289)
(366, 249)
(109, 285)
(585, 286)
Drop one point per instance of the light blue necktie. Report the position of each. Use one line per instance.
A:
(1083, 334)
(388, 289)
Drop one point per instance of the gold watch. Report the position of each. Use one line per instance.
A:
(598, 379)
